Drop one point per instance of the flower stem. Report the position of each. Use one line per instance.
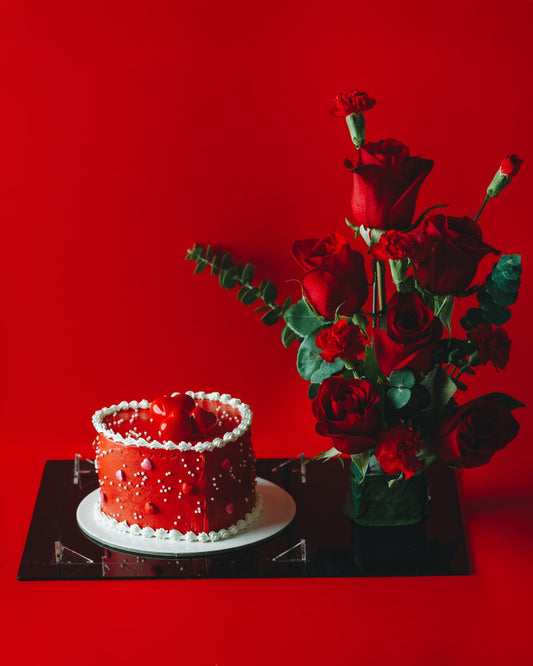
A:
(482, 207)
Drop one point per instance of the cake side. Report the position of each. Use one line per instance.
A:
(200, 489)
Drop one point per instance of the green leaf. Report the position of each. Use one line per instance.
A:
(399, 397)
(215, 265)
(250, 295)
(271, 318)
(440, 386)
(228, 278)
(201, 265)
(361, 461)
(370, 365)
(308, 360)
(327, 370)
(263, 308)
(286, 304)
(505, 400)
(443, 310)
(402, 379)
(360, 320)
(313, 390)
(270, 293)
(227, 260)
(288, 336)
(302, 319)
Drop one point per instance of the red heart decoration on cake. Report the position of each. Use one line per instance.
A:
(177, 426)
(229, 508)
(205, 420)
(150, 508)
(187, 488)
(162, 406)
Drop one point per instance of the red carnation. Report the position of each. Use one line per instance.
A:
(342, 340)
(510, 165)
(350, 102)
(394, 245)
(492, 344)
(396, 451)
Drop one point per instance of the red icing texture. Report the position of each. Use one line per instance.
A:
(184, 490)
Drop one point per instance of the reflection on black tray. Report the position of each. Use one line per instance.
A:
(320, 542)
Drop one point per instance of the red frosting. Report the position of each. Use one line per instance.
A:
(172, 489)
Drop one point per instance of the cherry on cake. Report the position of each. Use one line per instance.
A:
(179, 467)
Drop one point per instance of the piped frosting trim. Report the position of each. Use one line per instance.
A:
(216, 443)
(175, 535)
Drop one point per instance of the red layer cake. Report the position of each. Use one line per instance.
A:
(180, 467)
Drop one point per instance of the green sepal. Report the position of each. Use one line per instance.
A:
(440, 386)
(370, 365)
(328, 455)
(443, 308)
(505, 400)
(421, 217)
(359, 319)
(301, 319)
(361, 461)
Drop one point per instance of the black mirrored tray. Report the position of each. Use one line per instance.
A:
(319, 542)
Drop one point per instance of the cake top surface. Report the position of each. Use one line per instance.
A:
(199, 421)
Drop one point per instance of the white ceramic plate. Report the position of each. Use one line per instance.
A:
(279, 509)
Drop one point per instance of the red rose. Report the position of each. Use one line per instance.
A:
(385, 185)
(475, 432)
(342, 340)
(510, 165)
(335, 280)
(450, 249)
(350, 102)
(394, 245)
(412, 334)
(492, 344)
(347, 412)
(396, 451)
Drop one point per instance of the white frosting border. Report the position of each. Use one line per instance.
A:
(217, 443)
(175, 535)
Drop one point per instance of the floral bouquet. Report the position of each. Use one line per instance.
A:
(387, 376)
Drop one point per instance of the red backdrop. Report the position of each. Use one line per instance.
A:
(130, 130)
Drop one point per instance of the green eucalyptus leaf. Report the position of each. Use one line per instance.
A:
(399, 397)
(271, 318)
(312, 391)
(215, 265)
(308, 360)
(263, 308)
(247, 274)
(227, 260)
(302, 319)
(250, 295)
(327, 370)
(228, 278)
(270, 293)
(497, 315)
(201, 265)
(286, 304)
(288, 336)
(402, 378)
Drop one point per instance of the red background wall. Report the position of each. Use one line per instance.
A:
(130, 130)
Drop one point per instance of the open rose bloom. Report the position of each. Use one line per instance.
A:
(386, 357)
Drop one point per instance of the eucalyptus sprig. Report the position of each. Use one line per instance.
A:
(231, 275)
